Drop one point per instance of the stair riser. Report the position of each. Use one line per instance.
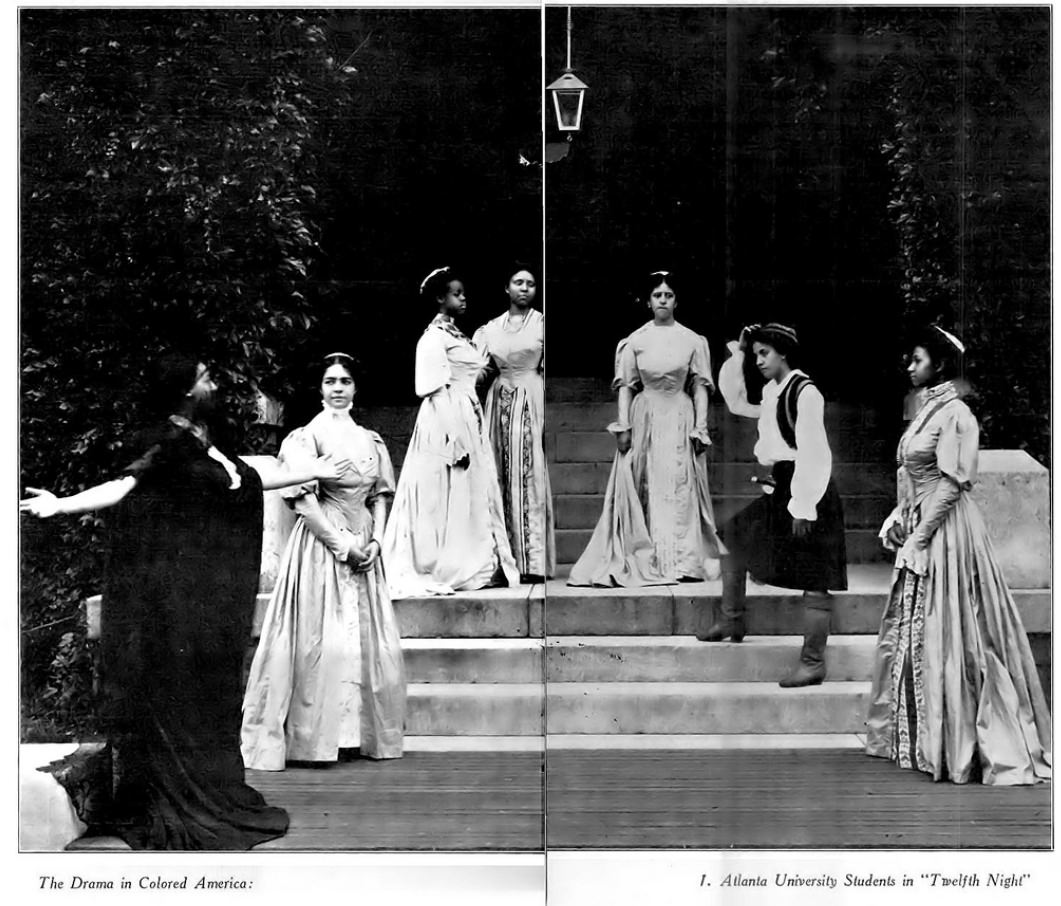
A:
(443, 665)
(583, 511)
(575, 612)
(710, 662)
(770, 710)
(651, 662)
(629, 614)
(441, 714)
(863, 546)
(853, 479)
(453, 618)
(715, 711)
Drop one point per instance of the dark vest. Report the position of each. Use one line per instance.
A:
(786, 407)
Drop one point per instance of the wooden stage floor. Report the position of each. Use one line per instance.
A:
(638, 799)
(778, 799)
(425, 801)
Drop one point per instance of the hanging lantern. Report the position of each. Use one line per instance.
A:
(568, 92)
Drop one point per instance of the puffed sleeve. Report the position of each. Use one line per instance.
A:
(481, 341)
(700, 365)
(814, 459)
(958, 447)
(432, 365)
(297, 453)
(385, 484)
(626, 371)
(731, 383)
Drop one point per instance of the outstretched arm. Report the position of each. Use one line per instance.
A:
(44, 504)
(731, 383)
(275, 476)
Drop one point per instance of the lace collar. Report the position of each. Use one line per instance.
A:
(331, 414)
(941, 393)
(447, 326)
(197, 431)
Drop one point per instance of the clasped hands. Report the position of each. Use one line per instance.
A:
(362, 558)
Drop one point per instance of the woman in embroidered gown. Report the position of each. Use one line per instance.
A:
(658, 525)
(328, 671)
(955, 689)
(182, 570)
(793, 536)
(515, 414)
(447, 529)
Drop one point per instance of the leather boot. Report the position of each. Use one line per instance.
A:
(810, 671)
(731, 623)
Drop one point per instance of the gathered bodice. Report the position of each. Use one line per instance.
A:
(445, 357)
(942, 439)
(517, 353)
(346, 500)
(663, 360)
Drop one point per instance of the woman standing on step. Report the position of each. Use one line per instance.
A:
(955, 689)
(658, 525)
(447, 528)
(793, 535)
(515, 414)
(182, 570)
(328, 671)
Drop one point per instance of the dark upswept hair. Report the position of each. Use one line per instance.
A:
(435, 284)
(650, 281)
(947, 358)
(339, 358)
(516, 266)
(174, 376)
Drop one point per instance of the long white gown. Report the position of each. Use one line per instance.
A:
(658, 523)
(328, 672)
(446, 532)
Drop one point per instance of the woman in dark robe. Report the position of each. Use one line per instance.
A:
(181, 577)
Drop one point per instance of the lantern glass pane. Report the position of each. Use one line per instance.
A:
(568, 105)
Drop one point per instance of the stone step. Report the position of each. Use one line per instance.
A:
(518, 660)
(475, 709)
(657, 659)
(597, 659)
(581, 511)
(705, 708)
(679, 609)
(594, 444)
(662, 610)
(516, 709)
(704, 742)
(855, 479)
(863, 546)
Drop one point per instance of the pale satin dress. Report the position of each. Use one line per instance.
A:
(328, 671)
(446, 532)
(658, 523)
(515, 416)
(955, 689)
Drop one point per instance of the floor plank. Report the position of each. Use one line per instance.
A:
(424, 801)
(801, 799)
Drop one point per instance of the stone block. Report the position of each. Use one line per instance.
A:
(705, 708)
(473, 709)
(1013, 494)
